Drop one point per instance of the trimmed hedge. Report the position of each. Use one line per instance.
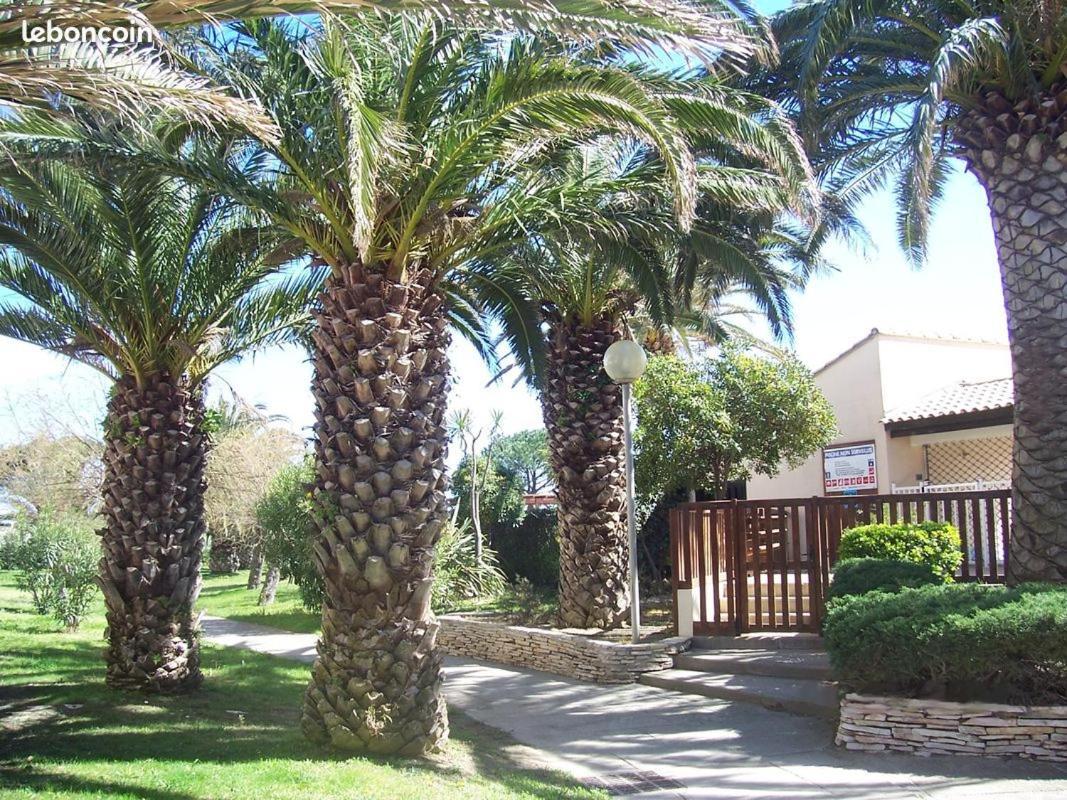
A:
(530, 549)
(936, 544)
(861, 575)
(960, 641)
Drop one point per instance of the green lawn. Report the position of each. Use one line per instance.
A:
(226, 596)
(63, 734)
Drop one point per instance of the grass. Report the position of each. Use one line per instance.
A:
(226, 596)
(63, 734)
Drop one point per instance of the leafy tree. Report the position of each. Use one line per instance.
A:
(58, 472)
(723, 419)
(154, 283)
(525, 455)
(284, 515)
(898, 90)
(241, 463)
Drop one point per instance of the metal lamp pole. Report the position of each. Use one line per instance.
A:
(631, 517)
(625, 362)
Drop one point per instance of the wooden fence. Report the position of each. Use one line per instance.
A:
(765, 564)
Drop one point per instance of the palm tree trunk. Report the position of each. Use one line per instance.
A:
(380, 385)
(1019, 153)
(153, 505)
(583, 416)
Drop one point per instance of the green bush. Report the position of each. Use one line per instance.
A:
(530, 549)
(458, 575)
(284, 515)
(862, 575)
(56, 562)
(961, 641)
(936, 544)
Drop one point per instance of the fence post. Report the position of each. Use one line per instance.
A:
(814, 561)
(739, 529)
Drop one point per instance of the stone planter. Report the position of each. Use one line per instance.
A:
(573, 655)
(935, 727)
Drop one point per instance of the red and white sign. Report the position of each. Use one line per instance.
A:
(849, 469)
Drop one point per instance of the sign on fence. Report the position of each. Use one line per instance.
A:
(849, 469)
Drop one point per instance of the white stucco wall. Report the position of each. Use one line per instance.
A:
(878, 374)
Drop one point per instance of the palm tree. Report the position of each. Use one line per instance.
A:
(902, 88)
(587, 291)
(408, 151)
(154, 284)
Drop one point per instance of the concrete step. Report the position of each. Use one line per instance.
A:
(799, 695)
(760, 640)
(812, 664)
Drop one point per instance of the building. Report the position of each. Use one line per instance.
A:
(912, 411)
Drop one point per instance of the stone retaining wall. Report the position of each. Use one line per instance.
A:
(559, 652)
(927, 727)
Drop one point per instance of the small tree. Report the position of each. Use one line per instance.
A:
(479, 464)
(284, 516)
(500, 499)
(724, 419)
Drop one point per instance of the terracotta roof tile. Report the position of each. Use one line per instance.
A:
(962, 398)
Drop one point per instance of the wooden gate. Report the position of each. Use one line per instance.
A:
(765, 564)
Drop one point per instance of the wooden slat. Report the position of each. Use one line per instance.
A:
(740, 568)
(702, 570)
(979, 561)
(728, 537)
(796, 565)
(772, 535)
(714, 520)
(757, 589)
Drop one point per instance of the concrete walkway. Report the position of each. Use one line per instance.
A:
(693, 747)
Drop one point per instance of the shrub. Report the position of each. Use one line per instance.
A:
(284, 514)
(861, 575)
(961, 641)
(457, 574)
(56, 563)
(936, 544)
(530, 549)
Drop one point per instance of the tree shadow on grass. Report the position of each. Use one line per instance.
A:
(248, 711)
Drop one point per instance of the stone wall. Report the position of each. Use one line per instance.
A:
(570, 654)
(928, 727)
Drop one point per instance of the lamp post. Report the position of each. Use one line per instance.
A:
(625, 362)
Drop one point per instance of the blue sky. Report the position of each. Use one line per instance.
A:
(957, 293)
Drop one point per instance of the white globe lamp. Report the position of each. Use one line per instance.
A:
(625, 361)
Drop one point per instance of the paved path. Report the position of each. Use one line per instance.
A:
(708, 748)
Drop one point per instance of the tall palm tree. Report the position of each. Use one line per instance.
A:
(900, 89)
(408, 151)
(587, 290)
(154, 283)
